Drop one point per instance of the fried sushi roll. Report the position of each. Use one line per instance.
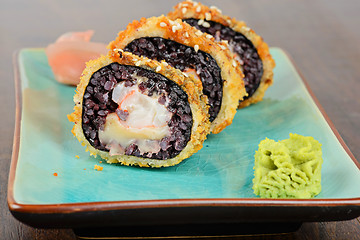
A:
(250, 50)
(194, 53)
(137, 111)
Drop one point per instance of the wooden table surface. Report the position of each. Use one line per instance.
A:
(323, 38)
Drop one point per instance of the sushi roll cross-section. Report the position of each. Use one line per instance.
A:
(251, 52)
(136, 111)
(194, 53)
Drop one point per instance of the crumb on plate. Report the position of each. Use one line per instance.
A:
(97, 167)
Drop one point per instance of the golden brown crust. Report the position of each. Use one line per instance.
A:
(190, 9)
(193, 87)
(178, 31)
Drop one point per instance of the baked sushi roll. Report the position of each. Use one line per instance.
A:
(136, 111)
(194, 53)
(250, 50)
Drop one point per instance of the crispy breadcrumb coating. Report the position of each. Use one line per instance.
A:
(191, 9)
(193, 88)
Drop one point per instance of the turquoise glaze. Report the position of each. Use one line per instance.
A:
(223, 168)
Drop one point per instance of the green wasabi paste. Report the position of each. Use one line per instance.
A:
(290, 168)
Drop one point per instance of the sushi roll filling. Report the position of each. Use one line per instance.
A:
(190, 61)
(133, 111)
(249, 58)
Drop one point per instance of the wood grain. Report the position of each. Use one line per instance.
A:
(322, 36)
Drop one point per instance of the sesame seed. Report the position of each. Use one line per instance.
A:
(201, 21)
(184, 10)
(206, 24)
(186, 34)
(234, 63)
(165, 64)
(209, 36)
(196, 48)
(171, 22)
(158, 68)
(185, 74)
(222, 47)
(199, 33)
(162, 24)
(176, 27)
(98, 168)
(138, 63)
(183, 4)
(208, 16)
(246, 28)
(198, 9)
(228, 21)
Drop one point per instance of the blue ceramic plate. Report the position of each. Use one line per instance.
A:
(218, 178)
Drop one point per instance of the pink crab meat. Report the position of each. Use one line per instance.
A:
(68, 55)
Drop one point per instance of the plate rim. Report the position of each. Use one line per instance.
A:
(16, 207)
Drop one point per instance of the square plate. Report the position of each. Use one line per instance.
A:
(214, 185)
